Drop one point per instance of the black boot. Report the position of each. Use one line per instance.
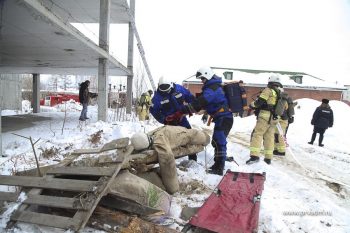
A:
(192, 157)
(276, 152)
(218, 171)
(253, 159)
(312, 138)
(268, 161)
(320, 139)
(217, 168)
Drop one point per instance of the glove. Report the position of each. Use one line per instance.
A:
(290, 120)
(186, 109)
(174, 119)
(205, 118)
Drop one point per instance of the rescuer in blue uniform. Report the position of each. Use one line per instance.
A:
(213, 100)
(167, 103)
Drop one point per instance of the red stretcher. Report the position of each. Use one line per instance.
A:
(234, 205)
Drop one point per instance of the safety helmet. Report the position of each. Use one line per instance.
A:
(205, 72)
(275, 79)
(140, 141)
(164, 84)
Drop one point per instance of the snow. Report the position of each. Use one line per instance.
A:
(295, 198)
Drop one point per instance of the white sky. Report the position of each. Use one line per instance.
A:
(294, 35)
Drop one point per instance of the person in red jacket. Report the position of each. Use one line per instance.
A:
(321, 120)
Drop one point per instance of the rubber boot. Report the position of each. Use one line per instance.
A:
(192, 157)
(253, 159)
(320, 139)
(218, 167)
(312, 138)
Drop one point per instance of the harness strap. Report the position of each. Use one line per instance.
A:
(213, 115)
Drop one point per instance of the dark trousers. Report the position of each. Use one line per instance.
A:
(222, 128)
(321, 132)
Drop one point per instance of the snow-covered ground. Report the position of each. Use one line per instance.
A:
(306, 191)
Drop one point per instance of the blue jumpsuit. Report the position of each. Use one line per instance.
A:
(165, 104)
(213, 100)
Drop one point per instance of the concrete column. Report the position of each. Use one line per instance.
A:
(130, 61)
(36, 93)
(0, 127)
(105, 7)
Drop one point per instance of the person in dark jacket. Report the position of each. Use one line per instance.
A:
(321, 120)
(167, 103)
(214, 102)
(84, 98)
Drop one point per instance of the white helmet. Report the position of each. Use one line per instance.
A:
(164, 84)
(205, 72)
(140, 141)
(275, 79)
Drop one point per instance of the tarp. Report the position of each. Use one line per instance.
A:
(234, 205)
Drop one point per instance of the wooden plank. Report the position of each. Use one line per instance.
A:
(53, 201)
(112, 145)
(35, 191)
(46, 219)
(100, 192)
(52, 183)
(9, 196)
(84, 171)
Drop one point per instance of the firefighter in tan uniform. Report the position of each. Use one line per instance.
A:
(166, 141)
(144, 103)
(266, 121)
(286, 119)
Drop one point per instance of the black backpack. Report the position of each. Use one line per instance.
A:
(234, 97)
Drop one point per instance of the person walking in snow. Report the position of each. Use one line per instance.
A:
(214, 102)
(84, 98)
(322, 119)
(266, 120)
(167, 103)
(144, 103)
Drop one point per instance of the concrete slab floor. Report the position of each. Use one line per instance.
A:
(18, 122)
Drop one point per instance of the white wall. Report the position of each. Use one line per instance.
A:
(10, 91)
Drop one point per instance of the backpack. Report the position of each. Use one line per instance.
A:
(291, 105)
(235, 98)
(282, 102)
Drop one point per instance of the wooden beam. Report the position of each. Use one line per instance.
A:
(102, 189)
(51, 183)
(82, 171)
(53, 201)
(46, 219)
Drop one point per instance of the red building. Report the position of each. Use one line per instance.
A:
(298, 85)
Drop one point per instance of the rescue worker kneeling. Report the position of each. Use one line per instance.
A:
(266, 122)
(164, 140)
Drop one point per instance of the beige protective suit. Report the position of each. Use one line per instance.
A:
(265, 127)
(143, 108)
(280, 145)
(169, 139)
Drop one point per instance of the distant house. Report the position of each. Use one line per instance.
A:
(297, 84)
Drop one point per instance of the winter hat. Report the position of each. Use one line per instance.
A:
(325, 101)
(140, 141)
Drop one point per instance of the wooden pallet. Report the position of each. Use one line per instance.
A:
(71, 192)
